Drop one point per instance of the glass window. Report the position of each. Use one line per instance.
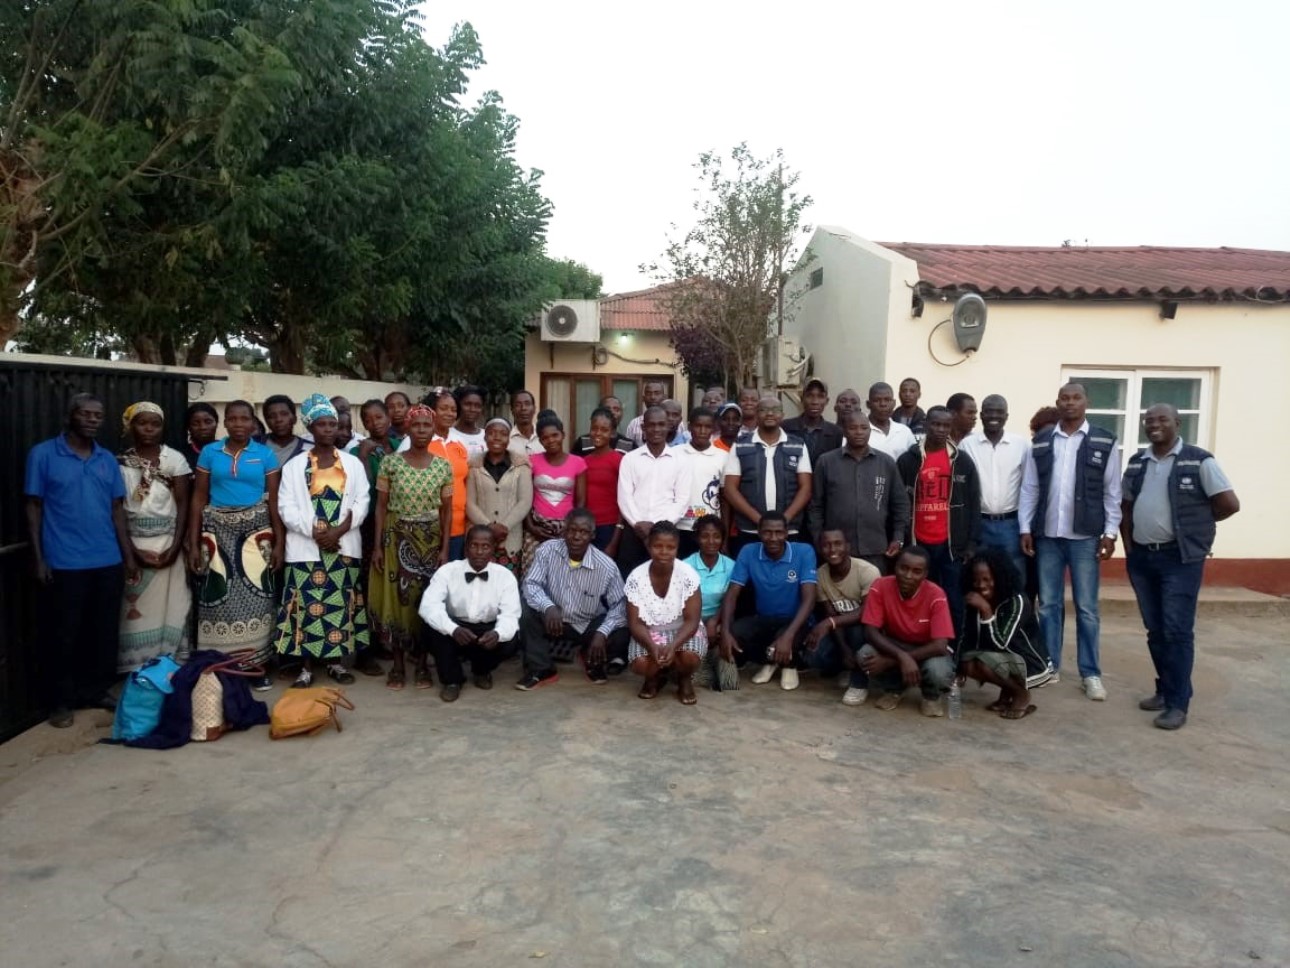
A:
(1118, 398)
(586, 398)
(628, 393)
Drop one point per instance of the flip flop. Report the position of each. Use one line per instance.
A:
(396, 679)
(999, 705)
(424, 680)
(649, 690)
(1018, 713)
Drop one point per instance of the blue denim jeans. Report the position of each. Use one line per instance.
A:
(1167, 589)
(827, 656)
(947, 573)
(1006, 536)
(1079, 555)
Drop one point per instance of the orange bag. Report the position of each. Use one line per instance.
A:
(302, 712)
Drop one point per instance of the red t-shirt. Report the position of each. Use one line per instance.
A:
(915, 621)
(602, 485)
(932, 499)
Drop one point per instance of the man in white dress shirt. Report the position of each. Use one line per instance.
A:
(653, 485)
(1000, 459)
(472, 608)
(1068, 515)
(885, 434)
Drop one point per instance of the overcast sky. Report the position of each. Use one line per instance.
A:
(1123, 123)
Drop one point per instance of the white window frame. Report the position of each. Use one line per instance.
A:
(1133, 398)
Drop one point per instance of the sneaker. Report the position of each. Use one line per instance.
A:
(789, 679)
(597, 674)
(303, 681)
(764, 675)
(1055, 678)
(616, 665)
(535, 680)
(1094, 689)
(1170, 719)
(449, 693)
(854, 696)
(888, 700)
(932, 708)
(263, 684)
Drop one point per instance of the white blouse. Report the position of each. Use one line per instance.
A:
(655, 611)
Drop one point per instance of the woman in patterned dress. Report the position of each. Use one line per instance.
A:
(664, 606)
(322, 500)
(414, 497)
(155, 612)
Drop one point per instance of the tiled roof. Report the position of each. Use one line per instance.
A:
(1076, 272)
(643, 309)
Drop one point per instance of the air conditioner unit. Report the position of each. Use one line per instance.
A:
(571, 321)
(783, 362)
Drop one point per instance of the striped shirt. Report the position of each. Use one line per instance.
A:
(591, 589)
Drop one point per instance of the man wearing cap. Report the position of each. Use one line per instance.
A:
(1174, 493)
(819, 435)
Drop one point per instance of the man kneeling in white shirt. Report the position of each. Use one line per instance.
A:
(472, 608)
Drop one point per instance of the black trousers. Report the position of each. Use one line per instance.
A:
(448, 654)
(757, 633)
(631, 552)
(538, 645)
(83, 611)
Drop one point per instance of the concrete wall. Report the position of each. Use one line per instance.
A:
(1027, 346)
(845, 322)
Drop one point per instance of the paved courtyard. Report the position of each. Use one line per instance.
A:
(580, 826)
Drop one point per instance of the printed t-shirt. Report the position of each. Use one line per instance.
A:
(707, 474)
(602, 485)
(553, 487)
(915, 621)
(237, 480)
(847, 595)
(776, 584)
(932, 499)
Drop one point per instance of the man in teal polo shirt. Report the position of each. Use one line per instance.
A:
(81, 546)
(782, 575)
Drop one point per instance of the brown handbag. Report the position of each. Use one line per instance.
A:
(303, 712)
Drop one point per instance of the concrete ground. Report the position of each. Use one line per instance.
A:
(580, 826)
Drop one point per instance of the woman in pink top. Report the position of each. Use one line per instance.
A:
(559, 485)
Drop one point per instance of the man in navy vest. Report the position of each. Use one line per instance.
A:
(1068, 514)
(1173, 495)
(770, 471)
(81, 545)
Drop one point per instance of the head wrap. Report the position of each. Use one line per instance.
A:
(420, 410)
(315, 407)
(132, 411)
(499, 420)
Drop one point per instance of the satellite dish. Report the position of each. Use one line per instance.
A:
(561, 320)
(969, 322)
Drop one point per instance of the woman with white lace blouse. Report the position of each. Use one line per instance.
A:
(664, 610)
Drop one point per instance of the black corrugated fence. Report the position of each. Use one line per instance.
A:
(33, 407)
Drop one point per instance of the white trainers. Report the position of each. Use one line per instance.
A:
(1054, 678)
(932, 708)
(788, 679)
(1094, 689)
(854, 696)
(764, 675)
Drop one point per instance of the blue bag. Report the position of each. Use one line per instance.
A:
(139, 709)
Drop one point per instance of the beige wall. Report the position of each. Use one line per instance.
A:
(641, 353)
(1027, 344)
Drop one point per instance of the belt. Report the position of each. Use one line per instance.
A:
(1158, 546)
(1006, 516)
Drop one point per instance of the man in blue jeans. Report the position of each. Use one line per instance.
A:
(1068, 515)
(1174, 493)
(1000, 459)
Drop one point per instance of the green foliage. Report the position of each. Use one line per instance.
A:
(301, 176)
(567, 279)
(730, 266)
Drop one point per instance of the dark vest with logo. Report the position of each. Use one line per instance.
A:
(1090, 466)
(1193, 515)
(752, 477)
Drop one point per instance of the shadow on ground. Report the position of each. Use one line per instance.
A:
(580, 826)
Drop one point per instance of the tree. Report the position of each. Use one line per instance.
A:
(567, 279)
(729, 268)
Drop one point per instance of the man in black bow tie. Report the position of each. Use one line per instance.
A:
(472, 611)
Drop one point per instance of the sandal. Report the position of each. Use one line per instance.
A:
(999, 705)
(685, 691)
(340, 675)
(649, 690)
(424, 680)
(396, 679)
(304, 680)
(1012, 713)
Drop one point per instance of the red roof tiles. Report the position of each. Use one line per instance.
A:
(643, 309)
(1142, 272)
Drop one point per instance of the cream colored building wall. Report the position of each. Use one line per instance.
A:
(1027, 344)
(844, 323)
(627, 352)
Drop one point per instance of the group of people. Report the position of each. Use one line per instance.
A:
(890, 548)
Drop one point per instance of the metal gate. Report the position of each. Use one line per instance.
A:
(33, 407)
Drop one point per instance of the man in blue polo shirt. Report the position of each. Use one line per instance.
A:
(81, 545)
(782, 575)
